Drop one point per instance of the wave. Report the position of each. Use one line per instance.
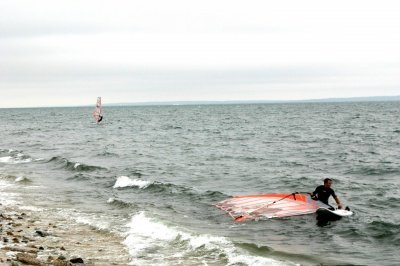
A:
(169, 127)
(14, 157)
(301, 259)
(385, 231)
(256, 248)
(119, 203)
(152, 242)
(64, 163)
(156, 187)
(124, 181)
(8, 177)
(16, 179)
(374, 171)
(23, 179)
(375, 230)
(79, 177)
(94, 220)
(107, 154)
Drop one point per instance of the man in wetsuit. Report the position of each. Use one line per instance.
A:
(323, 192)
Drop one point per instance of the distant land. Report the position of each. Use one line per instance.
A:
(163, 103)
(327, 100)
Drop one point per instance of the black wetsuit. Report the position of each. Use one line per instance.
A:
(322, 193)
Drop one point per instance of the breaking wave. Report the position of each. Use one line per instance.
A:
(14, 157)
(16, 179)
(119, 203)
(152, 242)
(167, 188)
(64, 163)
(124, 181)
(23, 179)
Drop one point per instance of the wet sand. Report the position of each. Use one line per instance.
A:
(35, 238)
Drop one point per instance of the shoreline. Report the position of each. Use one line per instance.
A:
(36, 238)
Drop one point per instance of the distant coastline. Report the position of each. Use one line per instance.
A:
(325, 100)
(167, 103)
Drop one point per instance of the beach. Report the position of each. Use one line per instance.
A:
(31, 238)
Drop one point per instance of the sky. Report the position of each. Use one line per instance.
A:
(57, 53)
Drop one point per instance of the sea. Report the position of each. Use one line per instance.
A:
(151, 175)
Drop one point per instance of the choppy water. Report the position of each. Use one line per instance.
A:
(153, 173)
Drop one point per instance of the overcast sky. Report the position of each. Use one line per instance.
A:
(56, 53)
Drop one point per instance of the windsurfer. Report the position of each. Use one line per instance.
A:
(323, 192)
(97, 113)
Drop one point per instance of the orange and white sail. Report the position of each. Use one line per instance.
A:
(266, 206)
(98, 111)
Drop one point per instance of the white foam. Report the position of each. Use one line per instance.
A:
(8, 202)
(6, 159)
(110, 200)
(7, 198)
(31, 208)
(257, 261)
(146, 234)
(12, 160)
(76, 165)
(92, 221)
(84, 218)
(19, 179)
(124, 181)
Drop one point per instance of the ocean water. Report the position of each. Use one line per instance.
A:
(151, 175)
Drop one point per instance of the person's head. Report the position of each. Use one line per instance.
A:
(327, 182)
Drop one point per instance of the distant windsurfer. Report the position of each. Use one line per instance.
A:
(323, 192)
(97, 113)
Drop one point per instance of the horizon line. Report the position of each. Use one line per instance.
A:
(205, 102)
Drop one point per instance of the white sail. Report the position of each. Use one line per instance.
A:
(98, 112)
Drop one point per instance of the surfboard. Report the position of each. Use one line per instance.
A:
(332, 215)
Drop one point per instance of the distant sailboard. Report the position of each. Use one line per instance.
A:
(98, 111)
(266, 206)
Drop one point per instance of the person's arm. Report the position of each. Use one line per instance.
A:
(338, 202)
(313, 194)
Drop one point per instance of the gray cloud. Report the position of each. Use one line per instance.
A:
(169, 50)
(29, 30)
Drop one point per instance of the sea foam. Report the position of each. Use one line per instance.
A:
(124, 181)
(20, 158)
(6, 159)
(146, 234)
(21, 179)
